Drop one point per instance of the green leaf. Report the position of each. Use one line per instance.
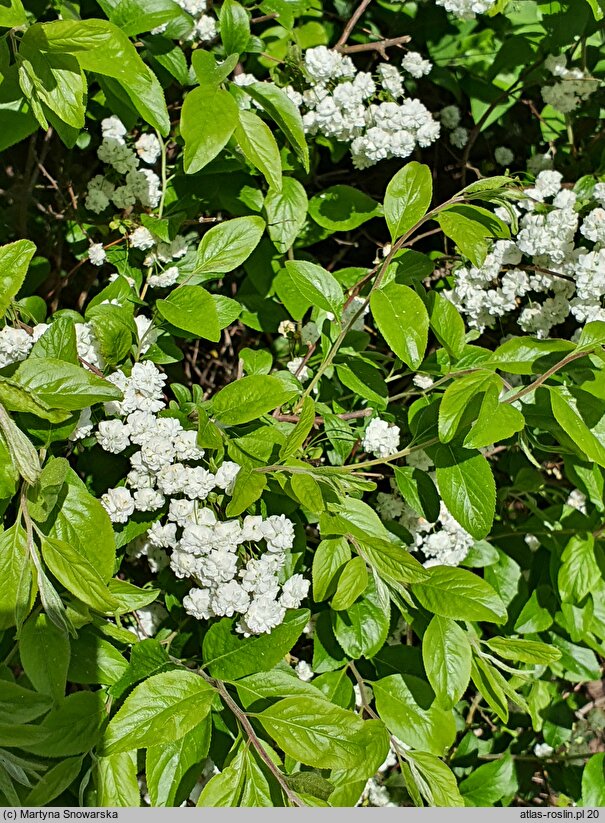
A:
(54, 782)
(101, 47)
(446, 323)
(572, 413)
(14, 263)
(139, 16)
(329, 557)
(352, 582)
(11, 16)
(249, 398)
(468, 227)
(44, 651)
(229, 656)
(407, 198)
(403, 321)
(447, 656)
(467, 487)
(207, 71)
(528, 355)
(94, 660)
(315, 732)
(286, 211)
(24, 456)
(490, 783)
(19, 705)
(524, 651)
(117, 783)
(286, 115)
(593, 782)
(75, 571)
(457, 398)
(167, 766)
(362, 629)
(496, 421)
(259, 147)
(317, 285)
(343, 208)
(301, 430)
(43, 496)
(429, 729)
(224, 789)
(206, 135)
(579, 568)
(160, 710)
(418, 490)
(234, 27)
(58, 341)
(434, 779)
(15, 398)
(249, 486)
(80, 520)
(460, 595)
(16, 595)
(225, 247)
(74, 727)
(63, 385)
(261, 687)
(192, 309)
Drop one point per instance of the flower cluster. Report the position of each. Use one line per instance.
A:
(466, 9)
(552, 268)
(238, 566)
(442, 543)
(573, 86)
(130, 184)
(370, 113)
(16, 344)
(381, 438)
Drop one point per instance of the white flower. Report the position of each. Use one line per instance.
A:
(390, 79)
(503, 156)
(381, 438)
(294, 591)
(147, 500)
(142, 238)
(226, 475)
(118, 504)
(278, 532)
(84, 426)
(293, 367)
(165, 279)
(113, 128)
(264, 614)
(113, 436)
(116, 153)
(322, 64)
(304, 671)
(423, 381)
(185, 446)
(148, 148)
(543, 750)
(230, 598)
(205, 29)
(459, 137)
(593, 226)
(197, 604)
(172, 479)
(164, 537)
(146, 333)
(450, 117)
(548, 183)
(199, 483)
(96, 254)
(182, 511)
(466, 9)
(15, 345)
(577, 500)
(415, 65)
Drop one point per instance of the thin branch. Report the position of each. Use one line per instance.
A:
(244, 722)
(294, 418)
(351, 23)
(380, 46)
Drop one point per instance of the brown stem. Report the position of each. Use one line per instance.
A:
(294, 418)
(244, 722)
(378, 45)
(543, 377)
(351, 23)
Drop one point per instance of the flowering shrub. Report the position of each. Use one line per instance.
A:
(302, 447)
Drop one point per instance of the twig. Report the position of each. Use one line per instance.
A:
(380, 46)
(351, 23)
(294, 418)
(244, 722)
